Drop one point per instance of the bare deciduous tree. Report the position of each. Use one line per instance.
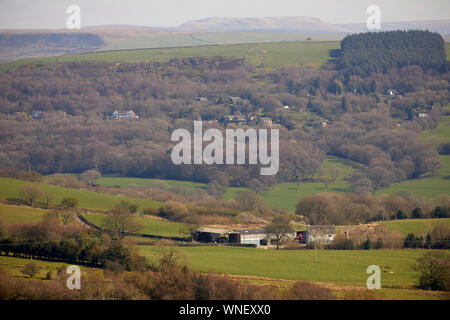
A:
(280, 228)
(122, 223)
(64, 214)
(88, 177)
(30, 193)
(48, 198)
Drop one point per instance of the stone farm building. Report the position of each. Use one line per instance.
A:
(320, 234)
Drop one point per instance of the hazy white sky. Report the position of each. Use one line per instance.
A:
(16, 14)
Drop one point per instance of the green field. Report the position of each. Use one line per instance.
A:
(16, 214)
(125, 182)
(9, 188)
(149, 225)
(13, 266)
(282, 196)
(335, 266)
(416, 226)
(205, 38)
(441, 133)
(258, 54)
(427, 186)
(286, 195)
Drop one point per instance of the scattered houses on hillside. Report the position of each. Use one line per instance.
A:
(246, 120)
(265, 121)
(235, 100)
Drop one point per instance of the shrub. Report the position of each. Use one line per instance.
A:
(417, 213)
(434, 268)
(69, 202)
(302, 290)
(440, 212)
(440, 237)
(30, 269)
(30, 193)
(367, 245)
(342, 243)
(379, 244)
(173, 211)
(150, 211)
(400, 215)
(411, 241)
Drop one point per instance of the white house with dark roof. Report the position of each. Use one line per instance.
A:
(124, 115)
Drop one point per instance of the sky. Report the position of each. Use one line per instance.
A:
(51, 14)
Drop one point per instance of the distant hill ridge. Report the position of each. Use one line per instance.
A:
(283, 24)
(19, 44)
(305, 24)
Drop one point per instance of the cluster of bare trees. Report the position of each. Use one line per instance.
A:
(71, 135)
(351, 208)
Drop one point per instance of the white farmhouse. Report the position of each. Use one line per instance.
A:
(124, 115)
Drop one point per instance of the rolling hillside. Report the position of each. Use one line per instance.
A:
(20, 214)
(416, 226)
(149, 225)
(9, 188)
(267, 54)
(430, 185)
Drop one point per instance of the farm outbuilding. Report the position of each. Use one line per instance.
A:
(211, 235)
(255, 237)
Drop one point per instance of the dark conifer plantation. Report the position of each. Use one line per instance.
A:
(369, 52)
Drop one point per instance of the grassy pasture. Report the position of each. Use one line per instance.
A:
(286, 195)
(416, 226)
(283, 196)
(125, 182)
(20, 214)
(13, 266)
(9, 188)
(259, 54)
(427, 186)
(149, 225)
(333, 266)
(219, 38)
(441, 132)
